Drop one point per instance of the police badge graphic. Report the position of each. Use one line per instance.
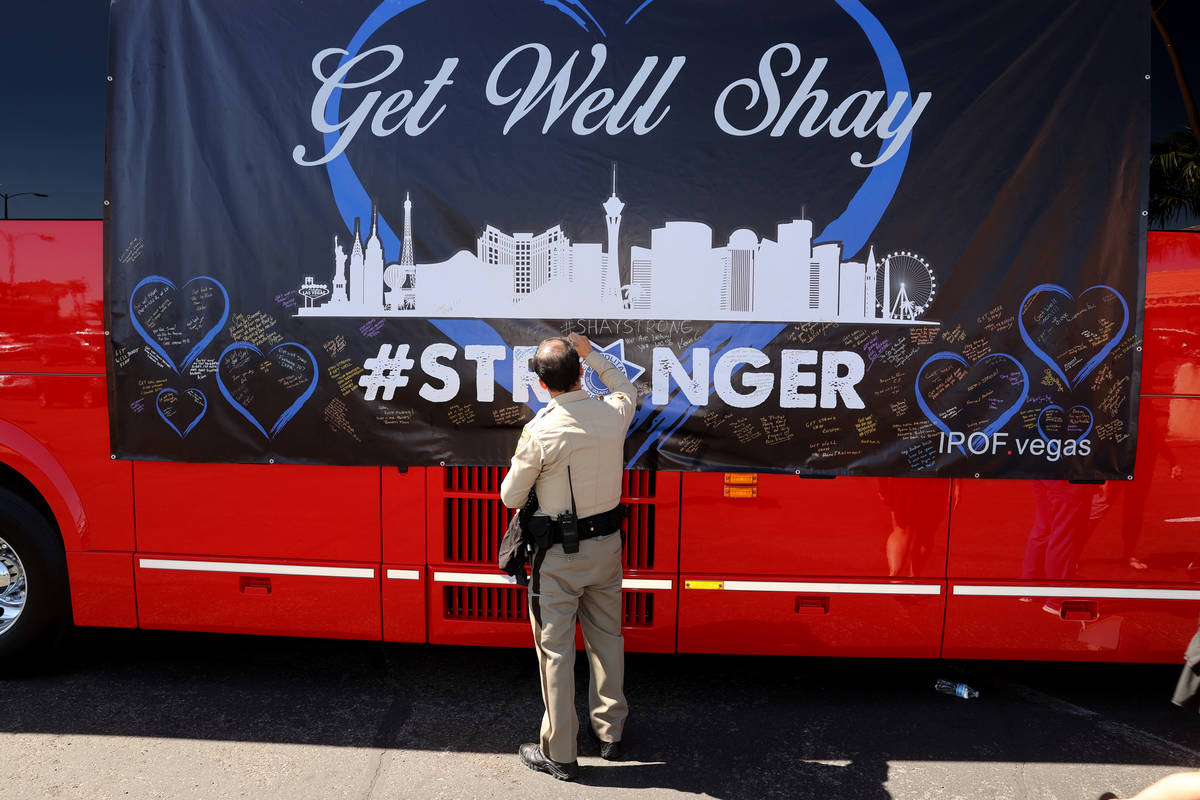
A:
(615, 354)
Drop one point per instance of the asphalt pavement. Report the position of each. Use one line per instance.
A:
(141, 714)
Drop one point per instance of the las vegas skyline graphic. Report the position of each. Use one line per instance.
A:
(680, 276)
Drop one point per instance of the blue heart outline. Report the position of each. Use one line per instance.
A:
(1095, 360)
(853, 227)
(1091, 420)
(291, 410)
(205, 340)
(174, 427)
(991, 427)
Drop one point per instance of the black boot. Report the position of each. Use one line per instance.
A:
(609, 751)
(533, 757)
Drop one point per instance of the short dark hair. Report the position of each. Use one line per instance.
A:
(557, 367)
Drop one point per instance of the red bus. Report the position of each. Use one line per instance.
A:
(845, 566)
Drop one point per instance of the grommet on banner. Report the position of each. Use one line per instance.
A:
(1144, 213)
(1128, 477)
(105, 202)
(107, 333)
(441, 463)
(976, 474)
(1147, 77)
(270, 461)
(1139, 348)
(113, 456)
(110, 78)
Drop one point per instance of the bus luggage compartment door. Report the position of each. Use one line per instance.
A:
(778, 564)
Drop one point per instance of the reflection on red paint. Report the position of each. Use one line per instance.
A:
(51, 297)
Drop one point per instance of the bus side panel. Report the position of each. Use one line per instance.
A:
(847, 566)
(296, 598)
(404, 592)
(52, 379)
(57, 425)
(779, 615)
(404, 614)
(1105, 572)
(53, 418)
(276, 511)
(1114, 567)
(102, 589)
(259, 548)
(1058, 628)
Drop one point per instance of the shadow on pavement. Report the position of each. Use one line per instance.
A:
(725, 726)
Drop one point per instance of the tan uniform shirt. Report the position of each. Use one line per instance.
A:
(577, 429)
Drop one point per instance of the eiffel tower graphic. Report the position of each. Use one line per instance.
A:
(408, 282)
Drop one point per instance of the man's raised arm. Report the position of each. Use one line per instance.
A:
(622, 393)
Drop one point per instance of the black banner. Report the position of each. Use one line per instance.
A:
(830, 237)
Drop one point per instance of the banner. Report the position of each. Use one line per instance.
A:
(837, 237)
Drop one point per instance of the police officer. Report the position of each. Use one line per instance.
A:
(572, 453)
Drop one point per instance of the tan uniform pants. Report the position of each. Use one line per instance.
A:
(586, 584)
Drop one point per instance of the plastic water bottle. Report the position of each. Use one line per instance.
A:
(958, 689)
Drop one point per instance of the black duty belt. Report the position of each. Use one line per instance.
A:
(596, 525)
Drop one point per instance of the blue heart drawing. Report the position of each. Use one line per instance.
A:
(992, 426)
(172, 399)
(1090, 416)
(1098, 357)
(288, 412)
(207, 335)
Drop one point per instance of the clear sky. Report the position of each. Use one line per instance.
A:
(53, 61)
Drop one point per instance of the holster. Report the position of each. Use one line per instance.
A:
(541, 528)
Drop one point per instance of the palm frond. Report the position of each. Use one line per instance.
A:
(1174, 178)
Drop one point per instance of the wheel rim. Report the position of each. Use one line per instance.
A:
(12, 587)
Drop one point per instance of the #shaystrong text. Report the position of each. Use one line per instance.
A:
(532, 85)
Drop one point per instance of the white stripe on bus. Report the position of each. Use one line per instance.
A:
(975, 590)
(404, 574)
(832, 588)
(258, 569)
(476, 578)
(644, 583)
(472, 577)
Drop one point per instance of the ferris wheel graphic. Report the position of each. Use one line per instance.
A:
(904, 285)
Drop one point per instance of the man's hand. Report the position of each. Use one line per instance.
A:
(581, 344)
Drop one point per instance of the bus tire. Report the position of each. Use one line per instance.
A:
(35, 600)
